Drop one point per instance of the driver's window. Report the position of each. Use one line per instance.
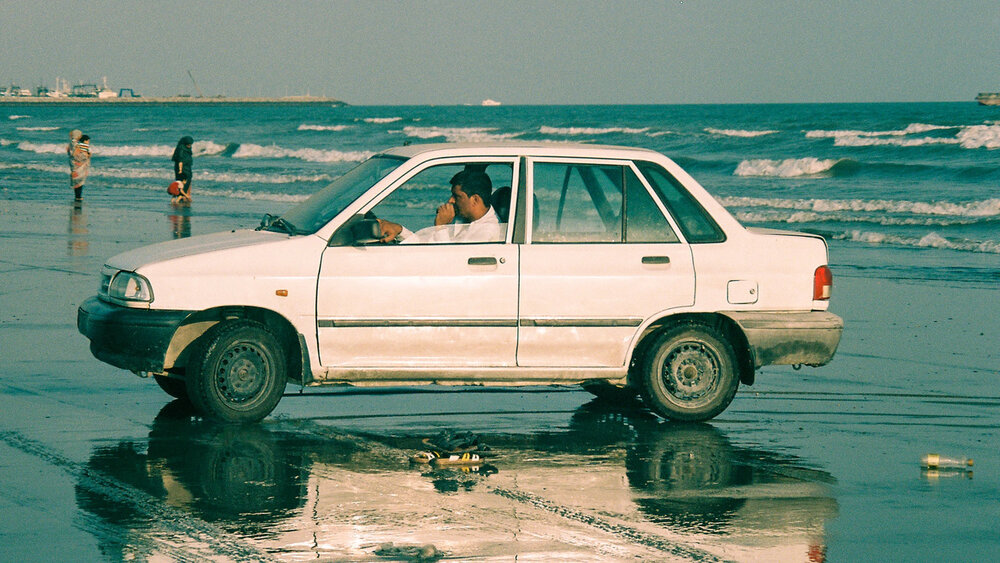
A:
(465, 189)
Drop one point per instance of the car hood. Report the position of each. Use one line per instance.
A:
(173, 249)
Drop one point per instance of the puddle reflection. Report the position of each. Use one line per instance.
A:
(263, 481)
(78, 242)
(180, 220)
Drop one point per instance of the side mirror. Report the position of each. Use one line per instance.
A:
(357, 231)
(366, 231)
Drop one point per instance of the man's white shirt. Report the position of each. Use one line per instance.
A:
(485, 229)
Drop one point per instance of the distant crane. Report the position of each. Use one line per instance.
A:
(200, 95)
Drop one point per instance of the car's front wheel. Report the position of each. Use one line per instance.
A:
(237, 372)
(690, 373)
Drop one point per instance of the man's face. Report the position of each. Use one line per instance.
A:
(462, 202)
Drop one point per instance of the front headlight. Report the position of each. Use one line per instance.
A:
(128, 286)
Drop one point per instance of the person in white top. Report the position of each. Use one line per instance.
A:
(470, 203)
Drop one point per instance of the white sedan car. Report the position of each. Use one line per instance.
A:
(495, 264)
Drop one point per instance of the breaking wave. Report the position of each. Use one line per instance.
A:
(981, 208)
(200, 148)
(382, 120)
(13, 117)
(788, 168)
(574, 131)
(167, 174)
(458, 134)
(250, 150)
(739, 132)
(930, 240)
(966, 136)
(37, 128)
(308, 127)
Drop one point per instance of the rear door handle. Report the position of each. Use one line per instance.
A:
(482, 261)
(655, 259)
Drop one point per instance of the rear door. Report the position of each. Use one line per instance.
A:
(601, 256)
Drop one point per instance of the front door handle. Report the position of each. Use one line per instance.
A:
(482, 261)
(655, 259)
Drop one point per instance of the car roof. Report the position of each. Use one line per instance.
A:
(521, 148)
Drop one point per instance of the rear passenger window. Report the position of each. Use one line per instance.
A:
(694, 221)
(577, 203)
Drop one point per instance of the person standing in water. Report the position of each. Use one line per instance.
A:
(182, 158)
(79, 161)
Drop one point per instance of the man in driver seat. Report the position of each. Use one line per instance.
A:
(467, 216)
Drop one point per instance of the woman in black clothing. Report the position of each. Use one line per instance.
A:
(182, 166)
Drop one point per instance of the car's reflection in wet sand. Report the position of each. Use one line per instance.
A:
(617, 483)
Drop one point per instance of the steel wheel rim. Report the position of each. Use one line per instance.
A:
(242, 373)
(691, 372)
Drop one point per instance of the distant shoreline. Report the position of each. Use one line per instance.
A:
(29, 100)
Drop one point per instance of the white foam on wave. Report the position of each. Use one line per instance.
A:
(458, 134)
(37, 128)
(575, 131)
(308, 127)
(913, 128)
(967, 136)
(249, 150)
(13, 117)
(167, 173)
(981, 208)
(739, 132)
(929, 240)
(783, 216)
(200, 148)
(980, 136)
(788, 168)
(382, 120)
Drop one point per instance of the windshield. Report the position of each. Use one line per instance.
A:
(308, 216)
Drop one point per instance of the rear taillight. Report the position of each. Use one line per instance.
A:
(822, 283)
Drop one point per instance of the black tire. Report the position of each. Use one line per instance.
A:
(237, 372)
(175, 387)
(689, 373)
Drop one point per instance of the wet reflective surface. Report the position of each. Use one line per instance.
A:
(637, 485)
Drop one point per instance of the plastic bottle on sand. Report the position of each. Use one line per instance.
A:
(935, 461)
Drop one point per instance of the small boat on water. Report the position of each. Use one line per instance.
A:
(988, 98)
(489, 102)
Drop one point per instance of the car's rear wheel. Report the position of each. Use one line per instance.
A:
(690, 373)
(237, 372)
(175, 387)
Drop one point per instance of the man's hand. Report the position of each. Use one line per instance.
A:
(445, 214)
(390, 230)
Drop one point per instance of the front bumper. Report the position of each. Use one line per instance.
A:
(132, 339)
(790, 337)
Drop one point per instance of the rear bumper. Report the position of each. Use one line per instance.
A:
(786, 337)
(132, 339)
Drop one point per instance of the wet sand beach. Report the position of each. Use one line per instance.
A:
(98, 465)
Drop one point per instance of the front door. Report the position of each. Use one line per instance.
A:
(448, 300)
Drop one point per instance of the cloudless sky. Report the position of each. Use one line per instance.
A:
(529, 52)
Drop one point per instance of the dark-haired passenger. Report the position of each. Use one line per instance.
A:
(469, 205)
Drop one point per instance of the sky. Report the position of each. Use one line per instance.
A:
(527, 52)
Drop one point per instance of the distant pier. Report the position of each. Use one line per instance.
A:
(28, 100)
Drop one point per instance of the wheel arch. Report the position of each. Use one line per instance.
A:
(197, 324)
(725, 325)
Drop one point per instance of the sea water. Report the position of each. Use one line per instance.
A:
(904, 190)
